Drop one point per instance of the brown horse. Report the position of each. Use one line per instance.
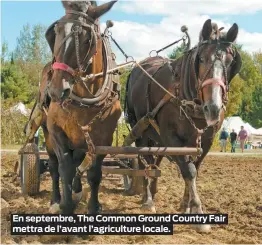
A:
(199, 81)
(76, 99)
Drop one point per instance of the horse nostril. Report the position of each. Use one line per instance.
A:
(205, 108)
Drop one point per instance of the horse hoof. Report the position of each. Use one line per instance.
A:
(202, 228)
(129, 193)
(148, 208)
(96, 210)
(54, 208)
(77, 197)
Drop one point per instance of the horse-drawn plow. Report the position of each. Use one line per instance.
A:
(119, 160)
(174, 108)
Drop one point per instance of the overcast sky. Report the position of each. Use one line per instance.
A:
(141, 26)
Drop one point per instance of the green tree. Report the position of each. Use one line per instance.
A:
(123, 79)
(177, 52)
(250, 74)
(32, 46)
(234, 96)
(4, 52)
(255, 115)
(14, 85)
(31, 54)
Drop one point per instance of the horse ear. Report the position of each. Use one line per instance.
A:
(236, 67)
(206, 30)
(232, 33)
(96, 12)
(50, 36)
(76, 5)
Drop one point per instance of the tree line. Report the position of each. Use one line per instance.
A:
(21, 70)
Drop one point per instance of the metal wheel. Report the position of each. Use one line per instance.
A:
(30, 171)
(133, 185)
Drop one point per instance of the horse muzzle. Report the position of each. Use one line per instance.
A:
(212, 113)
(66, 90)
(213, 90)
(61, 92)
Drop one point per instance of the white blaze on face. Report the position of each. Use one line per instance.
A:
(68, 27)
(218, 74)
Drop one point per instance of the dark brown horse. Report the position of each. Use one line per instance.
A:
(79, 50)
(199, 81)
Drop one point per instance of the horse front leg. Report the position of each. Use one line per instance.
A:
(77, 184)
(66, 169)
(94, 177)
(191, 200)
(67, 172)
(153, 185)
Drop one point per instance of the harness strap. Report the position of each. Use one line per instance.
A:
(88, 18)
(63, 67)
(211, 81)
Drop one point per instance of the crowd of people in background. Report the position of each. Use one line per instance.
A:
(233, 137)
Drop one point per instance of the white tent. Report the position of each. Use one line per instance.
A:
(236, 122)
(259, 131)
(20, 107)
(233, 123)
(122, 118)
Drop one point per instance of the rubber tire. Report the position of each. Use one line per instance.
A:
(134, 185)
(30, 171)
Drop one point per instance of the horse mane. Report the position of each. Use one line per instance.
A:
(81, 6)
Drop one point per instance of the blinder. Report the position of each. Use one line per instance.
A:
(50, 36)
(236, 66)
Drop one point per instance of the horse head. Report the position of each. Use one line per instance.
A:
(216, 61)
(73, 40)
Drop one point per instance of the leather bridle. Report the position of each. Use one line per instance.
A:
(76, 30)
(203, 82)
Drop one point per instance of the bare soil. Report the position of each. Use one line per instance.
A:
(226, 184)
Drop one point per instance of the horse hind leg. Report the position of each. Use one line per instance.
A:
(147, 197)
(148, 204)
(56, 197)
(153, 184)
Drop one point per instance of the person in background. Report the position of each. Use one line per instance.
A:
(242, 136)
(223, 140)
(36, 137)
(233, 139)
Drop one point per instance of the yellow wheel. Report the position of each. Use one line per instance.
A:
(30, 170)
